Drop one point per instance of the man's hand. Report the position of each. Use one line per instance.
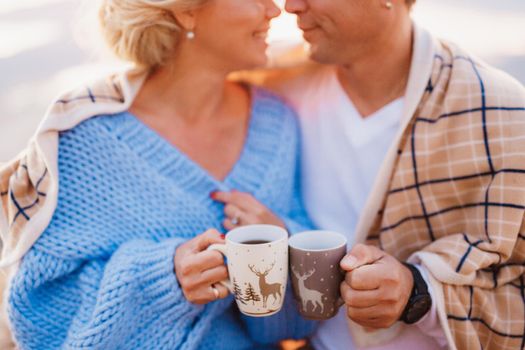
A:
(376, 288)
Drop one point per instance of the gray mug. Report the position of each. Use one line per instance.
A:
(315, 272)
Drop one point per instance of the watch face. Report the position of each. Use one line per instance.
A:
(419, 306)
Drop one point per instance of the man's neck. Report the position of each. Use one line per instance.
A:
(381, 76)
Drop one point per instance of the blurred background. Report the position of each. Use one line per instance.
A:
(47, 46)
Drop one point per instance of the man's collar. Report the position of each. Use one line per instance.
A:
(423, 50)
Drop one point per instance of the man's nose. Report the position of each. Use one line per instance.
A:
(295, 6)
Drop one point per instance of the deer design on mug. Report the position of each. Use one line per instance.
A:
(308, 295)
(267, 289)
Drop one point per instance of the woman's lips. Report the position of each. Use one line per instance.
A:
(261, 34)
(263, 31)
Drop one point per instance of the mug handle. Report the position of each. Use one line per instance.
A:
(221, 248)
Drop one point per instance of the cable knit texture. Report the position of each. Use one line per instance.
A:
(101, 276)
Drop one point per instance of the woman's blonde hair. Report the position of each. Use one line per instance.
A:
(144, 32)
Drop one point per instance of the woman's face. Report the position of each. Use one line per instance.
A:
(232, 33)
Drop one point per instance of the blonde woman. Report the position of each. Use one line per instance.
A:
(122, 261)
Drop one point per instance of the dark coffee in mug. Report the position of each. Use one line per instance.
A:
(256, 241)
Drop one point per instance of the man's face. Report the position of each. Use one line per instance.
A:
(340, 31)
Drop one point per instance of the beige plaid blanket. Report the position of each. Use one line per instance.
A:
(455, 199)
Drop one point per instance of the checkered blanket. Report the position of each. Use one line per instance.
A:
(456, 199)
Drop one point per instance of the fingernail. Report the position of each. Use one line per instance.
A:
(348, 262)
(223, 236)
(213, 194)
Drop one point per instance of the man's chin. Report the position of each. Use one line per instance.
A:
(317, 54)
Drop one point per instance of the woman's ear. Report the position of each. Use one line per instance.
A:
(186, 19)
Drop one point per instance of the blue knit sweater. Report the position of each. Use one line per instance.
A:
(101, 276)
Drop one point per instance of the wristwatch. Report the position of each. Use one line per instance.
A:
(420, 301)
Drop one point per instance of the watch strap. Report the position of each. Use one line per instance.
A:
(419, 290)
(420, 285)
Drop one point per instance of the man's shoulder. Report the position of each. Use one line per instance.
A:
(494, 84)
(465, 93)
(499, 84)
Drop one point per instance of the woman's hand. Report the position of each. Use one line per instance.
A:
(199, 271)
(243, 209)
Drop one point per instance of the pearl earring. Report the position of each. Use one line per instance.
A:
(190, 34)
(389, 5)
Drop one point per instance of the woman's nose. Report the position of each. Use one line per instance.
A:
(272, 10)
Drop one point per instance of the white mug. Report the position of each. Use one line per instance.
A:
(257, 259)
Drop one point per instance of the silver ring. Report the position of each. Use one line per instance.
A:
(215, 292)
(235, 221)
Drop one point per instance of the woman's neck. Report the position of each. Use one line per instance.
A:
(183, 91)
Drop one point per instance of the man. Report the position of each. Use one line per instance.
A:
(416, 151)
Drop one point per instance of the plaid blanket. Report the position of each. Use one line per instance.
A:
(456, 199)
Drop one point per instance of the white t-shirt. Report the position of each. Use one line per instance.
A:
(341, 156)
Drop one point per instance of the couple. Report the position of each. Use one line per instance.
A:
(409, 146)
